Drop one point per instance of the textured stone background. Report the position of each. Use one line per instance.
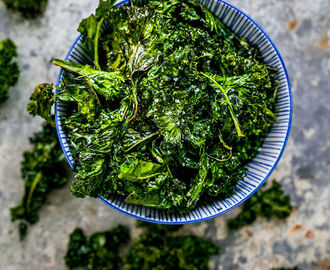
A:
(301, 30)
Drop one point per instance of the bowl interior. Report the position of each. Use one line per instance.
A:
(259, 169)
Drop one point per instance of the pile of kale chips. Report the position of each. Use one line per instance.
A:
(170, 109)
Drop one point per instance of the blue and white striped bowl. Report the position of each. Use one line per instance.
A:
(259, 169)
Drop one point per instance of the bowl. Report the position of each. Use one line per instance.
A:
(259, 169)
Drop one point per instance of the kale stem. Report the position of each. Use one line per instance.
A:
(33, 187)
(225, 146)
(230, 107)
(134, 99)
(94, 92)
(96, 44)
(144, 139)
(67, 65)
(122, 118)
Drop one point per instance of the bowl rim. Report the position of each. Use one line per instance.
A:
(242, 200)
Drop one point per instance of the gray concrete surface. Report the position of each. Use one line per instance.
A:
(301, 30)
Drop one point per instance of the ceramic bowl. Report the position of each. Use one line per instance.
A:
(259, 169)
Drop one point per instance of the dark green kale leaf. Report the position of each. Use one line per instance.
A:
(157, 248)
(9, 70)
(171, 108)
(98, 251)
(41, 102)
(43, 169)
(90, 28)
(29, 9)
(268, 203)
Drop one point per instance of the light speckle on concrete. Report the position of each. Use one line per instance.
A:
(301, 31)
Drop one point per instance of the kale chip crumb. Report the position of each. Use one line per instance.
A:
(43, 169)
(98, 251)
(9, 70)
(267, 203)
(29, 9)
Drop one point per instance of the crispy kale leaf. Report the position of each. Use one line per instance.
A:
(98, 251)
(9, 70)
(157, 248)
(29, 9)
(265, 203)
(171, 108)
(43, 169)
(90, 28)
(41, 102)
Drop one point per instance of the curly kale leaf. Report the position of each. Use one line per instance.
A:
(43, 169)
(9, 70)
(157, 248)
(106, 84)
(265, 203)
(29, 9)
(41, 102)
(98, 251)
(90, 28)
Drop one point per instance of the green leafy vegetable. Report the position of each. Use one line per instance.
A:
(98, 251)
(268, 203)
(43, 169)
(171, 108)
(155, 248)
(29, 9)
(9, 70)
(41, 102)
(159, 249)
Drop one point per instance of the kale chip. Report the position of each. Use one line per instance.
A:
(155, 248)
(271, 202)
(99, 251)
(9, 70)
(43, 169)
(29, 9)
(158, 249)
(41, 102)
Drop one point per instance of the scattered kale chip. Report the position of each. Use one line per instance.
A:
(265, 203)
(99, 251)
(9, 70)
(43, 169)
(29, 9)
(41, 102)
(171, 108)
(157, 248)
